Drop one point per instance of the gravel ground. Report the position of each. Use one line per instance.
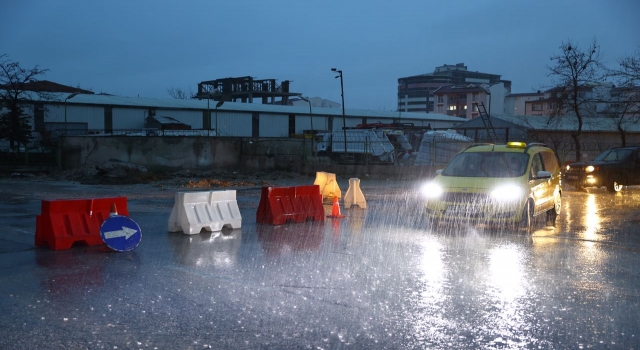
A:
(186, 179)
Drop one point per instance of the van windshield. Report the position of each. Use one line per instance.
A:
(487, 164)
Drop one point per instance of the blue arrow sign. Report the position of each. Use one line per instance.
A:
(120, 233)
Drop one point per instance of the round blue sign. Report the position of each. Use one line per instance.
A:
(120, 233)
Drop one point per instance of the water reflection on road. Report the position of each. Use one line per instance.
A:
(488, 288)
(381, 277)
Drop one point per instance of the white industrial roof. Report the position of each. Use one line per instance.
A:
(569, 123)
(171, 103)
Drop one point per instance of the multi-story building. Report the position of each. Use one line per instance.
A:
(514, 104)
(593, 99)
(624, 103)
(463, 100)
(415, 93)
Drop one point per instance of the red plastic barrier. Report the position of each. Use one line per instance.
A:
(61, 223)
(311, 202)
(281, 204)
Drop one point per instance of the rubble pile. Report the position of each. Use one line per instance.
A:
(115, 172)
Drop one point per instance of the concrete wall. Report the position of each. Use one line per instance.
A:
(178, 153)
(208, 153)
(152, 152)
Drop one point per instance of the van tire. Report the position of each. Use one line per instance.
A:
(526, 221)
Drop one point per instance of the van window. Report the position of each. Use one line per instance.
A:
(550, 161)
(536, 165)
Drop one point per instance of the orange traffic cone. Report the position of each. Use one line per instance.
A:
(114, 211)
(335, 209)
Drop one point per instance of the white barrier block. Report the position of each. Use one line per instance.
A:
(328, 185)
(211, 210)
(354, 195)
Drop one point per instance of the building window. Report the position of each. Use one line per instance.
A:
(440, 99)
(537, 107)
(452, 97)
(452, 108)
(474, 97)
(462, 96)
(465, 107)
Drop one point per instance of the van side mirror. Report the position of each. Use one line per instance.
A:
(543, 175)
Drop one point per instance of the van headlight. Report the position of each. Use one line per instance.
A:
(505, 193)
(431, 190)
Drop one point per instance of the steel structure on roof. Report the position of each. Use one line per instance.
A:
(245, 89)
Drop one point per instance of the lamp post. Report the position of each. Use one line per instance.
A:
(311, 120)
(344, 120)
(65, 110)
(310, 115)
(220, 103)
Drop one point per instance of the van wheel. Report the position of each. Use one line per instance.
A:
(613, 186)
(555, 211)
(527, 218)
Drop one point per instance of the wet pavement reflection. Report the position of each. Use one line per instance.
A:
(381, 277)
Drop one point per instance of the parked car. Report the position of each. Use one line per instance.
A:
(494, 184)
(613, 169)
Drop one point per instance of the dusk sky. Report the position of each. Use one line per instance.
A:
(142, 48)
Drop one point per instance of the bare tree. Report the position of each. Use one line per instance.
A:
(14, 122)
(574, 75)
(629, 70)
(624, 106)
(180, 94)
(624, 109)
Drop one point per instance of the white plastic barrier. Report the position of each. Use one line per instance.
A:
(328, 185)
(211, 210)
(354, 195)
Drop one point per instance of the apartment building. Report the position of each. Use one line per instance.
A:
(462, 100)
(415, 93)
(514, 104)
(594, 100)
(625, 101)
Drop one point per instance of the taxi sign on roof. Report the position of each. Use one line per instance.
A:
(120, 233)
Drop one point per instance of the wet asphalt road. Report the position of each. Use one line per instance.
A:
(381, 278)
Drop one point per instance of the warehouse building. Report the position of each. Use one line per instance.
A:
(78, 113)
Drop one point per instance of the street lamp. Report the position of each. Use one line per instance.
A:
(344, 120)
(220, 103)
(310, 119)
(310, 115)
(65, 110)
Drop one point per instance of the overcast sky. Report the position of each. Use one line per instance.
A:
(142, 48)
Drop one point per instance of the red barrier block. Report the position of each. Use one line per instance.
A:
(311, 201)
(61, 223)
(281, 204)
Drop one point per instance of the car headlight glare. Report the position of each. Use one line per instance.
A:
(589, 169)
(507, 193)
(431, 190)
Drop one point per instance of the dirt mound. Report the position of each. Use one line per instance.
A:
(219, 178)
